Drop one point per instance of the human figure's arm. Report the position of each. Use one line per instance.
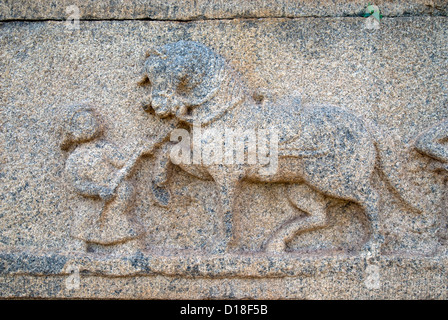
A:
(160, 136)
(90, 189)
(114, 156)
(82, 185)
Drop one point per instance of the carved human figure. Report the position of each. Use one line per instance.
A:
(433, 143)
(97, 170)
(323, 151)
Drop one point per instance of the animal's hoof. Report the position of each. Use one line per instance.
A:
(275, 247)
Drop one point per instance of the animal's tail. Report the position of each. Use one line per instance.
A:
(391, 162)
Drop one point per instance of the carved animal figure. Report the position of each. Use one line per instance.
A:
(323, 151)
(432, 143)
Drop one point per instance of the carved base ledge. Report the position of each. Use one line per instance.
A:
(209, 266)
(152, 276)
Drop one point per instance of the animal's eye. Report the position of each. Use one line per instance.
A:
(144, 82)
(189, 111)
(183, 86)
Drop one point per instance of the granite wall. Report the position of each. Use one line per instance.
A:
(60, 239)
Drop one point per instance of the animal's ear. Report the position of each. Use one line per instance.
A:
(66, 142)
(156, 52)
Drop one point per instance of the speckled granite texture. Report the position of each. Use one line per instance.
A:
(216, 9)
(91, 206)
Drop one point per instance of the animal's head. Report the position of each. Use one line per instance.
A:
(181, 76)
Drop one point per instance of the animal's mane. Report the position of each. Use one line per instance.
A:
(218, 78)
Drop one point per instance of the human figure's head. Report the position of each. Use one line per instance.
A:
(81, 125)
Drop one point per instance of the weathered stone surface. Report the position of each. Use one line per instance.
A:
(214, 9)
(393, 78)
(404, 278)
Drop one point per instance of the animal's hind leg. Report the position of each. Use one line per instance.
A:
(313, 204)
(368, 198)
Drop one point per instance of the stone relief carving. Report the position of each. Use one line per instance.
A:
(324, 152)
(432, 143)
(96, 169)
(280, 158)
(318, 153)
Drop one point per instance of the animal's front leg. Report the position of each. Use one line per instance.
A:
(160, 176)
(228, 186)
